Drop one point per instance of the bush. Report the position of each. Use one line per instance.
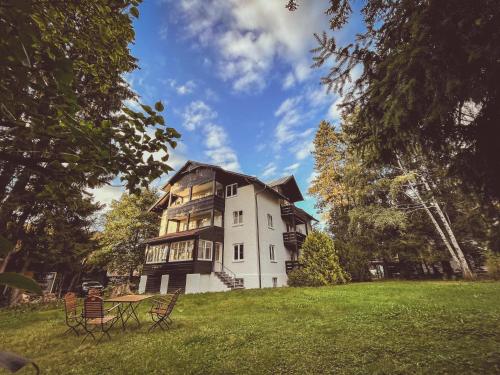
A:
(318, 263)
(493, 265)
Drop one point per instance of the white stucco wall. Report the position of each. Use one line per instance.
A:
(268, 203)
(245, 233)
(197, 283)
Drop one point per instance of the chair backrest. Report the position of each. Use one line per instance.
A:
(172, 302)
(93, 307)
(94, 292)
(70, 304)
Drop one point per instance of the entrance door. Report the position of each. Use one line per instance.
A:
(218, 257)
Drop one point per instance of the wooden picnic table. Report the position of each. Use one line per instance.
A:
(131, 303)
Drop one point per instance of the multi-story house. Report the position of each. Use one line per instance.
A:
(222, 230)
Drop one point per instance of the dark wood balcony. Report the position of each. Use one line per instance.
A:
(293, 240)
(291, 265)
(198, 205)
(291, 213)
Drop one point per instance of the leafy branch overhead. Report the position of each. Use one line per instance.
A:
(423, 75)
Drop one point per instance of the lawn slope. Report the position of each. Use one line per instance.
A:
(368, 328)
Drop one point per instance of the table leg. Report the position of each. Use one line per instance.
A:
(134, 314)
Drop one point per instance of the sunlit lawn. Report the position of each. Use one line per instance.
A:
(367, 328)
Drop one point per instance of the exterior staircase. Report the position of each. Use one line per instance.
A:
(231, 282)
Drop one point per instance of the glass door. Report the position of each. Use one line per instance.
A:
(218, 257)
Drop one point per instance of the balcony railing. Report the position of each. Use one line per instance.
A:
(290, 265)
(202, 204)
(289, 210)
(293, 239)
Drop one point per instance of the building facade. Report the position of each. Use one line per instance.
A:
(222, 230)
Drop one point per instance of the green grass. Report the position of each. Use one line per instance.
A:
(365, 328)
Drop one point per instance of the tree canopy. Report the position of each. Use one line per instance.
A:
(66, 123)
(429, 73)
(127, 224)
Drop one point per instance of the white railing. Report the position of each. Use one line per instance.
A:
(227, 271)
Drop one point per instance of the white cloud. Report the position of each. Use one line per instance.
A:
(289, 81)
(334, 112)
(197, 113)
(269, 170)
(107, 193)
(311, 177)
(199, 116)
(292, 168)
(163, 32)
(181, 89)
(302, 152)
(248, 37)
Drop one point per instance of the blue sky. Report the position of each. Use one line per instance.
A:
(236, 82)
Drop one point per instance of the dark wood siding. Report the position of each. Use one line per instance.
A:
(198, 205)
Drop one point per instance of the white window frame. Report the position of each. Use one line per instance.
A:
(270, 224)
(231, 190)
(156, 253)
(240, 252)
(203, 245)
(185, 244)
(272, 253)
(238, 218)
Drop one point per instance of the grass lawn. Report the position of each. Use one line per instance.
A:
(364, 328)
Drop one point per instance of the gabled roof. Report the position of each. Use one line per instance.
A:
(285, 187)
(288, 187)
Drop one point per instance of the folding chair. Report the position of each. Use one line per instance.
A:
(73, 318)
(161, 310)
(96, 317)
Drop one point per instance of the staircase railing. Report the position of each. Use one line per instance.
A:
(228, 271)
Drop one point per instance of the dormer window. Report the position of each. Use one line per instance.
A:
(231, 190)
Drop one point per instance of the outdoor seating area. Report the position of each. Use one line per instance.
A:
(98, 315)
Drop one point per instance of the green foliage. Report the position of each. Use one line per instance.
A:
(127, 224)
(15, 280)
(67, 124)
(319, 263)
(493, 265)
(428, 79)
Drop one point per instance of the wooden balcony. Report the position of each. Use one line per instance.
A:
(198, 205)
(290, 265)
(291, 213)
(293, 240)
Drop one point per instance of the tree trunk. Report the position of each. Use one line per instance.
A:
(438, 228)
(467, 273)
(14, 296)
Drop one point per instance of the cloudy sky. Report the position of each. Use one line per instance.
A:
(236, 82)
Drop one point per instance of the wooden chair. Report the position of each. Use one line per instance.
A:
(161, 310)
(94, 292)
(95, 317)
(73, 317)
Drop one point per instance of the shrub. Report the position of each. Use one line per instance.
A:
(493, 265)
(318, 263)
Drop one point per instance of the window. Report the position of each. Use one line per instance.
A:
(275, 282)
(272, 255)
(200, 220)
(231, 190)
(238, 254)
(237, 217)
(202, 191)
(204, 250)
(181, 251)
(270, 221)
(156, 253)
(217, 218)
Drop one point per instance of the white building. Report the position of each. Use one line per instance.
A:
(223, 230)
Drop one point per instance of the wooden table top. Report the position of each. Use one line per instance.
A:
(130, 298)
